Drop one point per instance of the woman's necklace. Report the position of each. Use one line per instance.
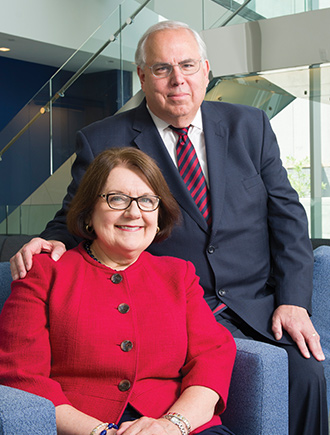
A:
(90, 253)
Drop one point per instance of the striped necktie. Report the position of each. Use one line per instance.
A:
(191, 172)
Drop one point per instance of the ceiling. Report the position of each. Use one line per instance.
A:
(35, 51)
(29, 50)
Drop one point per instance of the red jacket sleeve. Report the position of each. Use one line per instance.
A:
(25, 350)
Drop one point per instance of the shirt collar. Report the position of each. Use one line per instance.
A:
(162, 125)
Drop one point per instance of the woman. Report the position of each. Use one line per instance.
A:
(111, 333)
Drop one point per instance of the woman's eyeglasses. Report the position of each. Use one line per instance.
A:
(120, 201)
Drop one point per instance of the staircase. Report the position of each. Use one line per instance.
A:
(37, 146)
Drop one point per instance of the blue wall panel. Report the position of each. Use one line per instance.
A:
(19, 81)
(26, 165)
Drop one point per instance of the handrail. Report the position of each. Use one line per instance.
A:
(76, 75)
(232, 6)
(235, 13)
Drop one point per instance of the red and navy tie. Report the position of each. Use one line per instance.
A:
(191, 172)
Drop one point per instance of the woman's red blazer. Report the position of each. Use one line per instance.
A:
(79, 333)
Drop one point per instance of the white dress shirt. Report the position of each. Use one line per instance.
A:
(195, 133)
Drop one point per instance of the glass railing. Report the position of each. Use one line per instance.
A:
(208, 14)
(26, 219)
(102, 52)
(303, 133)
(88, 87)
(255, 10)
(118, 56)
(297, 101)
(44, 130)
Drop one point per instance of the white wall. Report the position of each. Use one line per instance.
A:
(284, 42)
(59, 22)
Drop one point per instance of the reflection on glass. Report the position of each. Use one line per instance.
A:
(110, 81)
(298, 103)
(257, 10)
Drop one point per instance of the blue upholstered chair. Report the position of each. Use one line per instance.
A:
(321, 305)
(258, 399)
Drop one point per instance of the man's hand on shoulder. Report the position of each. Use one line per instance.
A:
(296, 321)
(22, 261)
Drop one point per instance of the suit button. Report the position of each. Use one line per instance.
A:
(211, 249)
(116, 278)
(126, 346)
(123, 308)
(124, 385)
(222, 292)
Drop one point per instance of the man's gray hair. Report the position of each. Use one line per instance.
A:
(140, 54)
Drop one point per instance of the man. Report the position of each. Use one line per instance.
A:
(254, 257)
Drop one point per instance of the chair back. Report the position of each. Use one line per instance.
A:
(5, 282)
(321, 305)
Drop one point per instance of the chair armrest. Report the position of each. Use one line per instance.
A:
(258, 402)
(25, 413)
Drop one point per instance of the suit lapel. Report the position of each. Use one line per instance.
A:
(216, 150)
(148, 140)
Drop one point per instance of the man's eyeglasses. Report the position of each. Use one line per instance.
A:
(120, 201)
(187, 67)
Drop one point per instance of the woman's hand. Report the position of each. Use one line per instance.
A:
(148, 426)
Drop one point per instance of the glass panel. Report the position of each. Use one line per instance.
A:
(279, 8)
(271, 8)
(298, 103)
(96, 93)
(214, 14)
(251, 90)
(26, 164)
(303, 131)
(27, 219)
(255, 10)
(111, 80)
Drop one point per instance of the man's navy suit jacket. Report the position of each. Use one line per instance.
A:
(257, 253)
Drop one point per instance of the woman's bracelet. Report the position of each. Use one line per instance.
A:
(180, 421)
(105, 427)
(182, 418)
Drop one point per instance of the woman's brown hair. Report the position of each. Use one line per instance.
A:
(94, 180)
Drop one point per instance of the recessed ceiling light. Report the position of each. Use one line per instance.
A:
(4, 49)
